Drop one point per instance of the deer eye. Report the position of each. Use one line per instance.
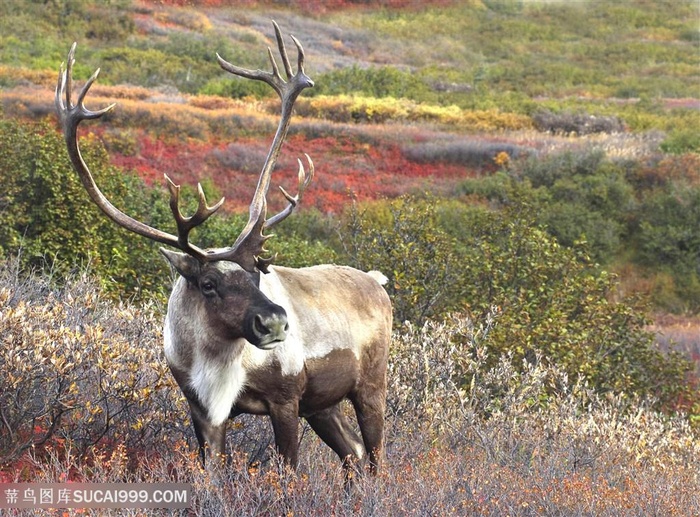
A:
(208, 287)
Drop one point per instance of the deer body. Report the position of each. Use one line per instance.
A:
(335, 348)
(242, 336)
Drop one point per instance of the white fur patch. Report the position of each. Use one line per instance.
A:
(218, 385)
(290, 353)
(169, 344)
(217, 381)
(378, 276)
(307, 339)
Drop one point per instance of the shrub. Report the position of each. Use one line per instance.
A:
(236, 88)
(443, 373)
(576, 123)
(681, 141)
(404, 241)
(571, 222)
(668, 239)
(552, 298)
(361, 109)
(465, 434)
(76, 369)
(446, 257)
(468, 153)
(579, 195)
(145, 67)
(379, 82)
(305, 239)
(44, 198)
(546, 172)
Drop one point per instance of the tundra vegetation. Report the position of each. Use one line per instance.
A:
(529, 183)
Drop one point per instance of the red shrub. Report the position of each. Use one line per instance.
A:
(345, 168)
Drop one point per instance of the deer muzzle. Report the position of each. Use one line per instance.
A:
(268, 328)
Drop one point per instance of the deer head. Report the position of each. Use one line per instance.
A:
(224, 281)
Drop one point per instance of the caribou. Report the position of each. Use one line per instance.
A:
(242, 335)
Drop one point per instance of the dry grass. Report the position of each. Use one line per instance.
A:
(460, 439)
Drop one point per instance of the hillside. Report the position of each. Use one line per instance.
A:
(526, 174)
(408, 99)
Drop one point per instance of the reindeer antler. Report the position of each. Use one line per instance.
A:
(71, 115)
(249, 245)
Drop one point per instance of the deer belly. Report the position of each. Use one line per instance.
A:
(329, 380)
(323, 382)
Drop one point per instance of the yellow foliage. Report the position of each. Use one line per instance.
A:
(502, 159)
(350, 108)
(187, 18)
(12, 74)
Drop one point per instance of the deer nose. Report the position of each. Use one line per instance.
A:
(269, 329)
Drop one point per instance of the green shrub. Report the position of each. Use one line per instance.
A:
(146, 67)
(306, 238)
(578, 195)
(545, 172)
(668, 239)
(379, 82)
(44, 200)
(236, 88)
(570, 223)
(682, 141)
(404, 241)
(553, 301)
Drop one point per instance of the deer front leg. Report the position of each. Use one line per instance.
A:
(211, 438)
(285, 424)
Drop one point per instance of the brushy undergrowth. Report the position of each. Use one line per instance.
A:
(86, 396)
(359, 109)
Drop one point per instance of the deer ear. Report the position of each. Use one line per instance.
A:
(185, 264)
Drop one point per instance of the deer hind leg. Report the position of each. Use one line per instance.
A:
(337, 432)
(369, 402)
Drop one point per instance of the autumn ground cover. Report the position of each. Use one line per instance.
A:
(188, 139)
(498, 445)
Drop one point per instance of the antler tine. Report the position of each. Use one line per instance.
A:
(70, 116)
(64, 89)
(304, 181)
(300, 54)
(274, 79)
(283, 50)
(186, 224)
